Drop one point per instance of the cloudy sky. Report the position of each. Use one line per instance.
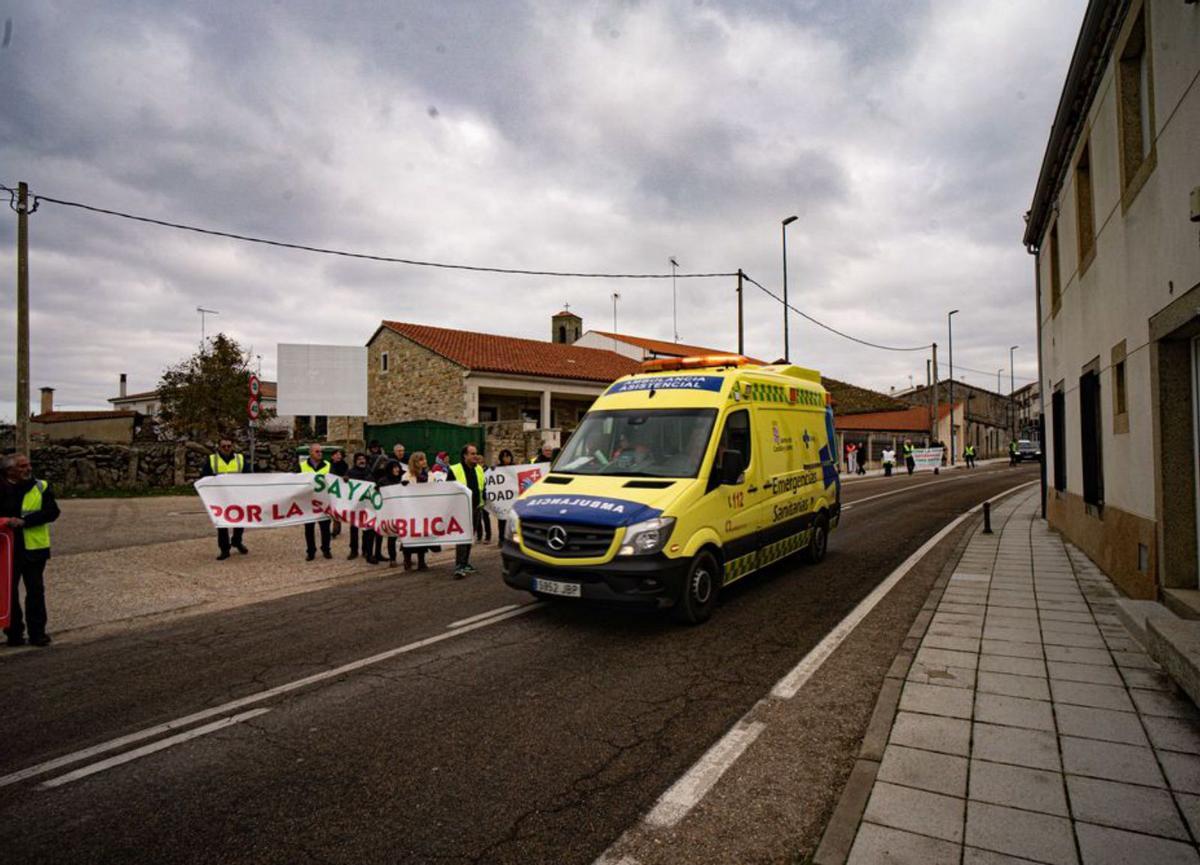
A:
(582, 136)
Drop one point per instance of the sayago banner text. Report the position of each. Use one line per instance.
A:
(417, 514)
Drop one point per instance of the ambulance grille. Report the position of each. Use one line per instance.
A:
(582, 542)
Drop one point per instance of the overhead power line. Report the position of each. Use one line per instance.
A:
(830, 328)
(362, 255)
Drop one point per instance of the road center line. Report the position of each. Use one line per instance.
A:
(683, 795)
(486, 615)
(160, 745)
(225, 708)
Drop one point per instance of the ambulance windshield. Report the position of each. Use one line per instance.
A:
(658, 443)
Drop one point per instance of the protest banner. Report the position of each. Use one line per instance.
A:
(417, 514)
(927, 458)
(505, 483)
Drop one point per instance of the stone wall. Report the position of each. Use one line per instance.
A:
(90, 466)
(513, 435)
(419, 384)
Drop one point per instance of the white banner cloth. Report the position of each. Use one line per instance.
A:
(505, 483)
(927, 458)
(418, 514)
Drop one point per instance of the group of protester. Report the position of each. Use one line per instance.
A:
(379, 468)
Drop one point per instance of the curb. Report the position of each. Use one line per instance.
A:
(842, 827)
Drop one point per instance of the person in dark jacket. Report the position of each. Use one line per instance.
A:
(361, 471)
(338, 466)
(393, 473)
(226, 461)
(506, 459)
(27, 506)
(375, 459)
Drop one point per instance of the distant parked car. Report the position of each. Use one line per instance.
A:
(1029, 451)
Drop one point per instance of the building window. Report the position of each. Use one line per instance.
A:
(1135, 94)
(488, 414)
(1119, 387)
(383, 361)
(1055, 279)
(1090, 440)
(321, 425)
(1058, 437)
(1120, 401)
(1084, 216)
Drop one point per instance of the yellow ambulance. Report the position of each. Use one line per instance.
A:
(682, 478)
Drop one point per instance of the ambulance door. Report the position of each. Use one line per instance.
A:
(737, 502)
(787, 443)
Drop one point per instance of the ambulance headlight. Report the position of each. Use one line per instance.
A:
(512, 526)
(645, 538)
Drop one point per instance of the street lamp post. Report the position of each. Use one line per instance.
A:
(787, 353)
(1012, 410)
(674, 300)
(950, 334)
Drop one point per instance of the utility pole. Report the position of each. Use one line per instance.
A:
(616, 297)
(950, 347)
(741, 327)
(934, 397)
(22, 430)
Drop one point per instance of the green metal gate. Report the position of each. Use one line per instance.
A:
(430, 436)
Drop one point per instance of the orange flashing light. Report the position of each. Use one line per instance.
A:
(666, 364)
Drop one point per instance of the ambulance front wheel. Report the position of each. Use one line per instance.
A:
(815, 551)
(698, 596)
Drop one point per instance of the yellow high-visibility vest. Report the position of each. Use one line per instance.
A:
(460, 475)
(38, 537)
(219, 467)
(306, 468)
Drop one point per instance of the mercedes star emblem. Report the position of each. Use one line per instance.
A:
(556, 538)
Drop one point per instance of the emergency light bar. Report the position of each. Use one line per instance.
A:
(666, 364)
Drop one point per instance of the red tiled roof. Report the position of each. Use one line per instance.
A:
(63, 416)
(669, 349)
(485, 352)
(915, 419)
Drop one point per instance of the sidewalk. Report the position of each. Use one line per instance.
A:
(1031, 726)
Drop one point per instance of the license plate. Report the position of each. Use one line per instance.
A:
(553, 587)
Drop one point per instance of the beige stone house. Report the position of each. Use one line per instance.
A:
(419, 372)
(1115, 227)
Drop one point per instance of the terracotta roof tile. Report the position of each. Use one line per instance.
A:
(485, 352)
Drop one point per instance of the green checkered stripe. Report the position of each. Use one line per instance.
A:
(765, 392)
(737, 568)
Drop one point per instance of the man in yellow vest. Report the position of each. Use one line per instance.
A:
(28, 507)
(225, 462)
(469, 472)
(316, 464)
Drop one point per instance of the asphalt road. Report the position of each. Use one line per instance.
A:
(539, 738)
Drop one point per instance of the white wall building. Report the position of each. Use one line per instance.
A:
(1114, 226)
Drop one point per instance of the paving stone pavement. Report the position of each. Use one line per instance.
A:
(1032, 727)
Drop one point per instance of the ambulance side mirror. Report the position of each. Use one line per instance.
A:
(733, 466)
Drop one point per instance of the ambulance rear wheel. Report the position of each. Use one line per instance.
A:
(817, 544)
(698, 596)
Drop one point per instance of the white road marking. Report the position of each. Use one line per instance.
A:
(160, 745)
(849, 505)
(685, 793)
(798, 676)
(486, 615)
(188, 720)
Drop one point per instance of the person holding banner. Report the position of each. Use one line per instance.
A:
(316, 464)
(338, 466)
(362, 472)
(28, 507)
(417, 472)
(468, 472)
(393, 473)
(225, 461)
